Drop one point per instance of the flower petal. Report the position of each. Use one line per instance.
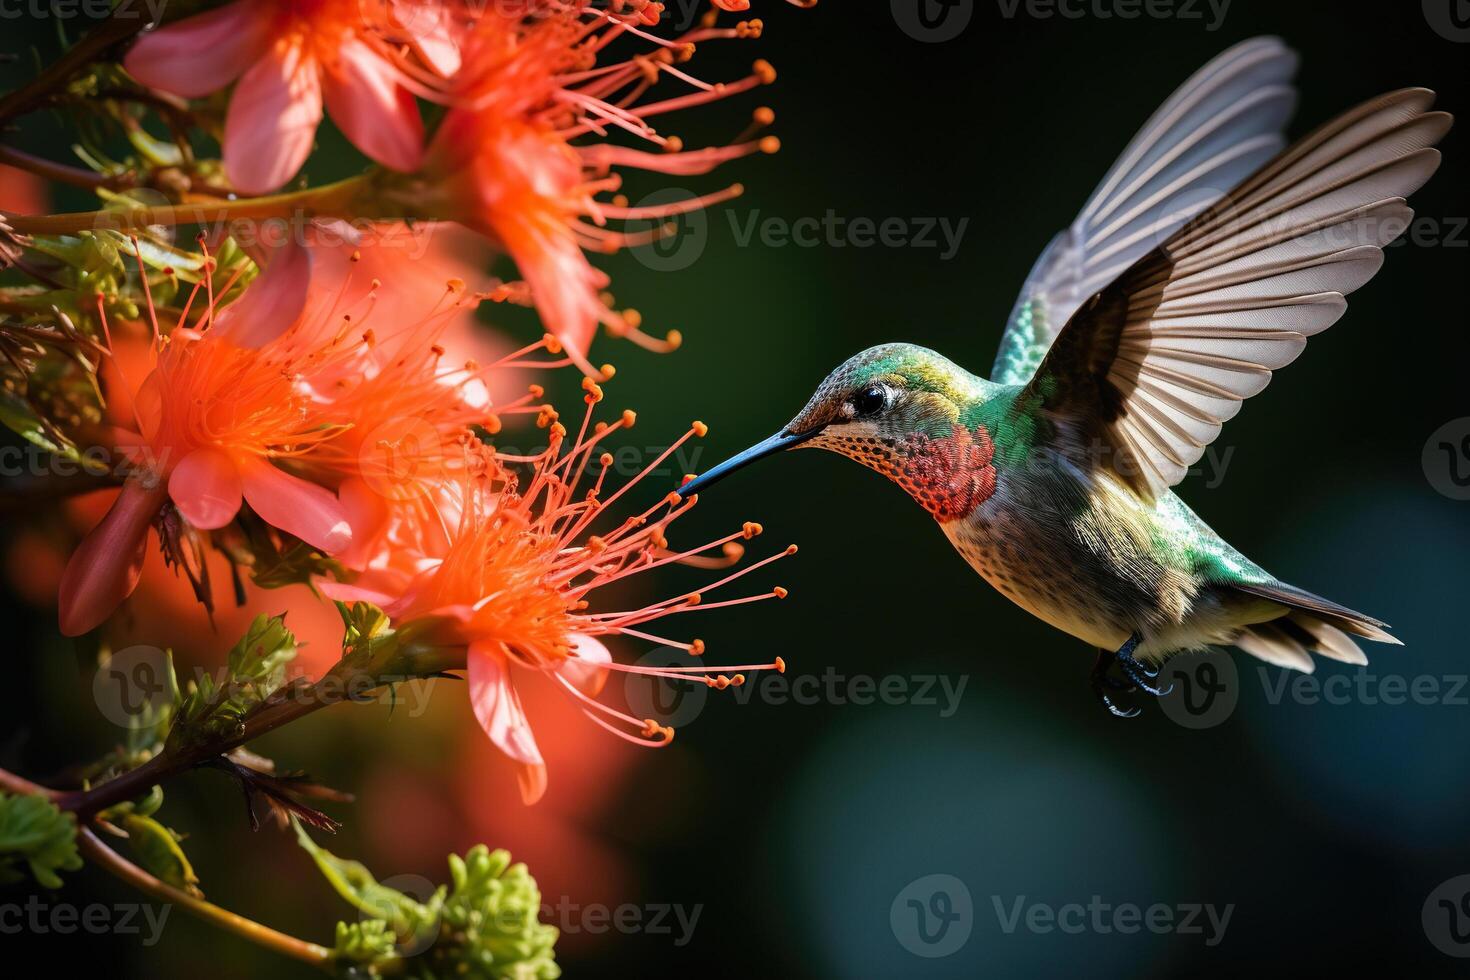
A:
(498, 708)
(532, 781)
(272, 119)
(432, 34)
(342, 592)
(206, 488)
(377, 114)
(297, 507)
(367, 513)
(204, 53)
(584, 669)
(104, 569)
(273, 302)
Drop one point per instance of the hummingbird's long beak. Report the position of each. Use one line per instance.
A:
(776, 443)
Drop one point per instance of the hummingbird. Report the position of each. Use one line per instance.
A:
(1202, 263)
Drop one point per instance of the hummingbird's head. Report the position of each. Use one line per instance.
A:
(898, 409)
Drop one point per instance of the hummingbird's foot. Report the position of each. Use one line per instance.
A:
(1102, 683)
(1138, 676)
(1141, 675)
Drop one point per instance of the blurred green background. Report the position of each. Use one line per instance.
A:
(795, 825)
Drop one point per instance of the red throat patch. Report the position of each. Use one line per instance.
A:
(948, 476)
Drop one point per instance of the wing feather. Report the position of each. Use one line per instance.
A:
(1214, 131)
(1158, 360)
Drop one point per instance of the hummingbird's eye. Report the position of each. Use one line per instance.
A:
(870, 401)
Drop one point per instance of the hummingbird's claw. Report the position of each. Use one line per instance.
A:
(1138, 677)
(1113, 709)
(1141, 676)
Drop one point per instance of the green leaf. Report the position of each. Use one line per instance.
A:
(17, 415)
(257, 666)
(261, 656)
(34, 830)
(157, 849)
(370, 941)
(355, 883)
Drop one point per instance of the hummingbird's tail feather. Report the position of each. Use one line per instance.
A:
(1312, 624)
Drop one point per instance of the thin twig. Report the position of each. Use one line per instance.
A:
(105, 857)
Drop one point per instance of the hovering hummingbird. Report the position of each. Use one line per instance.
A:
(1203, 262)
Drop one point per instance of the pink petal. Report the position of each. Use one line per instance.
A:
(342, 592)
(202, 54)
(584, 669)
(532, 780)
(297, 507)
(273, 302)
(272, 119)
(431, 31)
(104, 569)
(206, 488)
(498, 706)
(368, 515)
(377, 114)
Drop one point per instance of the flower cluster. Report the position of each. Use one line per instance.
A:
(321, 409)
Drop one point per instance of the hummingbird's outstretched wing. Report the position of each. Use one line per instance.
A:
(1150, 366)
(1221, 124)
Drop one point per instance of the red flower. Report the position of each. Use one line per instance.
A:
(513, 580)
(289, 57)
(510, 160)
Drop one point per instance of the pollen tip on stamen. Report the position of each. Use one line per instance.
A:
(536, 391)
(750, 529)
(629, 417)
(454, 285)
(356, 256)
(699, 428)
(738, 680)
(780, 665)
(606, 460)
(780, 592)
(770, 144)
(673, 499)
(608, 371)
(764, 70)
(764, 115)
(673, 144)
(674, 339)
(553, 345)
(696, 648)
(694, 599)
(791, 549)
